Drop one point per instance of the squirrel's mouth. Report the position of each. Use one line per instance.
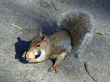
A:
(35, 56)
(38, 54)
(31, 56)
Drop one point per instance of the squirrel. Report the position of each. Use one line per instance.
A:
(74, 28)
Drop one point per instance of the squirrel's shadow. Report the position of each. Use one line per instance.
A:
(20, 47)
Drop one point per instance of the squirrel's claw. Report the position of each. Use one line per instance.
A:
(54, 68)
(50, 69)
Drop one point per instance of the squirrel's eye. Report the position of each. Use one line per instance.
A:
(38, 45)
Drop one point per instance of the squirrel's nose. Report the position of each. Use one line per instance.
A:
(30, 56)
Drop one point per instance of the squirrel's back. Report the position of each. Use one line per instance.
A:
(61, 39)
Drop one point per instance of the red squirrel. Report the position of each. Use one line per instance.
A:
(75, 27)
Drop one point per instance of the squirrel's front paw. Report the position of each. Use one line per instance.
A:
(54, 68)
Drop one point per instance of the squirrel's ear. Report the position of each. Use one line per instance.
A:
(44, 38)
(40, 33)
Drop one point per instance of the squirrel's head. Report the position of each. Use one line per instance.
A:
(38, 50)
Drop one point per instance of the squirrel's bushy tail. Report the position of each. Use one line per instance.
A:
(77, 25)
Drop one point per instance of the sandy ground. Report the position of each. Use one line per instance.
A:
(19, 22)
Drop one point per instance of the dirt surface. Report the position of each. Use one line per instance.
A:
(19, 23)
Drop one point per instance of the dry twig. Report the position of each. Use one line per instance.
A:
(14, 25)
(53, 5)
(86, 68)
